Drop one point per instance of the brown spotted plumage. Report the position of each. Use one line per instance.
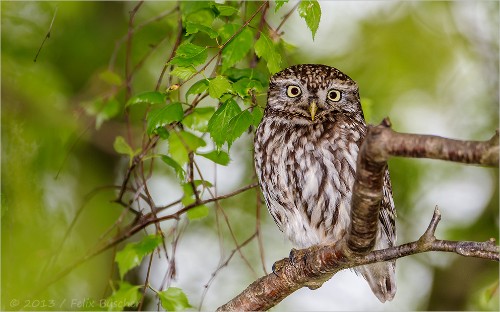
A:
(305, 158)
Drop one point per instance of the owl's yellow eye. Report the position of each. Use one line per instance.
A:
(293, 91)
(334, 95)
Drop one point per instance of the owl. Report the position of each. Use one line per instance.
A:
(306, 148)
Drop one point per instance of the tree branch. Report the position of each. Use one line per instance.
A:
(317, 264)
(380, 143)
(322, 262)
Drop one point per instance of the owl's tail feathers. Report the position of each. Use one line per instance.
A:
(382, 279)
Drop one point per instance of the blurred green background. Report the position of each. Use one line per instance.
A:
(432, 67)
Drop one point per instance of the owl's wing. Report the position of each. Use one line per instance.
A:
(388, 211)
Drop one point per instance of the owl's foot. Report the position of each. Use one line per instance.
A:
(297, 255)
(294, 258)
(278, 265)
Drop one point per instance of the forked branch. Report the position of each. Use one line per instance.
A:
(317, 264)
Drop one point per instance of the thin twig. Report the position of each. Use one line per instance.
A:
(146, 282)
(286, 16)
(174, 49)
(222, 265)
(47, 36)
(120, 41)
(128, 53)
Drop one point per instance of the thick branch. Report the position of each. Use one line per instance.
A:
(321, 262)
(318, 263)
(380, 143)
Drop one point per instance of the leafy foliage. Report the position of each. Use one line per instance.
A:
(198, 119)
(219, 86)
(241, 41)
(279, 4)
(198, 87)
(183, 73)
(188, 54)
(122, 147)
(150, 98)
(310, 11)
(175, 165)
(218, 125)
(174, 299)
(163, 116)
(265, 48)
(218, 157)
(181, 143)
(127, 295)
(131, 256)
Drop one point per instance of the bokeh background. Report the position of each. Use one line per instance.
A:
(432, 67)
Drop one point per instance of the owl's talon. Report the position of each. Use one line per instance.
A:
(297, 255)
(277, 266)
(291, 255)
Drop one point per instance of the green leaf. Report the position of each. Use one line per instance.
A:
(236, 74)
(257, 114)
(172, 163)
(486, 299)
(122, 147)
(237, 125)
(198, 87)
(194, 28)
(218, 157)
(131, 256)
(217, 126)
(188, 197)
(111, 78)
(279, 4)
(174, 299)
(197, 12)
(189, 7)
(264, 47)
(181, 143)
(243, 86)
(151, 98)
(111, 109)
(103, 109)
(161, 117)
(310, 11)
(183, 73)
(204, 183)
(162, 133)
(188, 54)
(127, 295)
(238, 47)
(107, 110)
(197, 212)
(219, 86)
(198, 119)
(225, 10)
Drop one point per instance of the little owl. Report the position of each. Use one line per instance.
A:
(305, 157)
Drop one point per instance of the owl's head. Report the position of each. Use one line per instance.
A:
(308, 93)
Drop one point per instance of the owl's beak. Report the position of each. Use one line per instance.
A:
(312, 109)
